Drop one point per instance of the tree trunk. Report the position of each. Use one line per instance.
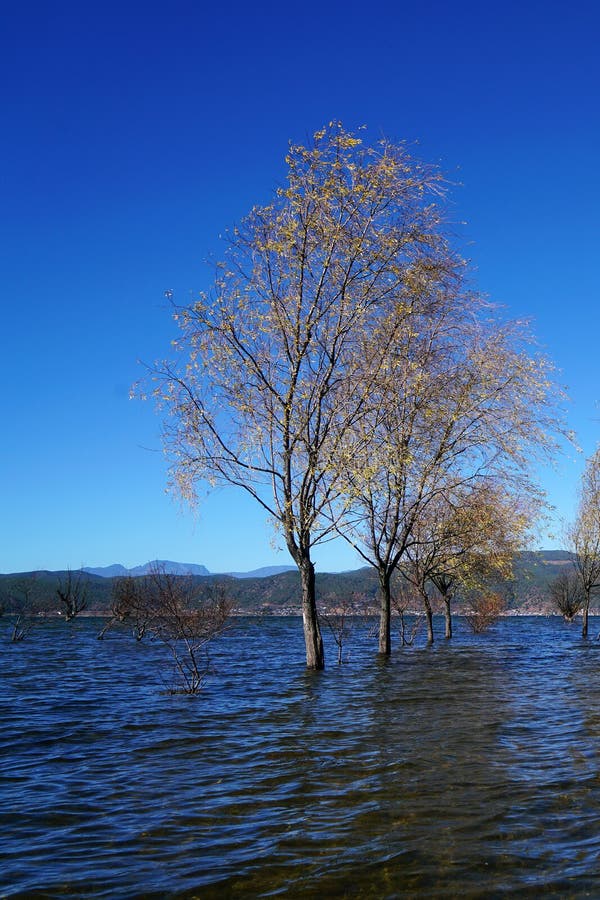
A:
(447, 615)
(106, 628)
(585, 613)
(429, 619)
(315, 657)
(385, 615)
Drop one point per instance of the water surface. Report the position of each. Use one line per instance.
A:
(470, 769)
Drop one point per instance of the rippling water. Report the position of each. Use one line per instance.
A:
(469, 769)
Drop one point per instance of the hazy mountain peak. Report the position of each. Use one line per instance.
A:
(167, 565)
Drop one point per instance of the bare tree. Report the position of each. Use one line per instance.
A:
(129, 604)
(29, 611)
(186, 618)
(402, 600)
(274, 374)
(72, 593)
(25, 617)
(339, 619)
(567, 594)
(180, 612)
(584, 535)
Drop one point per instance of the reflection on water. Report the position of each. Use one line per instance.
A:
(468, 769)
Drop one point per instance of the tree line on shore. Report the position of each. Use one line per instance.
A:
(28, 599)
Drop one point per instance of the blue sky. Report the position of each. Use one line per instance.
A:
(134, 134)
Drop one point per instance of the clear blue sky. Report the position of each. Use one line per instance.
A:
(133, 134)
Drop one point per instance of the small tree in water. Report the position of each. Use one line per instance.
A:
(567, 594)
(72, 593)
(129, 604)
(29, 612)
(485, 609)
(340, 622)
(584, 536)
(402, 600)
(182, 614)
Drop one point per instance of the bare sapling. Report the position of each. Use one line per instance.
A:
(72, 593)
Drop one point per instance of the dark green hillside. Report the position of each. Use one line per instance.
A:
(38, 591)
(280, 594)
(276, 594)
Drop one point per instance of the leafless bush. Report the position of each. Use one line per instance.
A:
(72, 593)
(29, 612)
(402, 599)
(180, 613)
(339, 620)
(567, 594)
(130, 603)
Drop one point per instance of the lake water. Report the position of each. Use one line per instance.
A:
(470, 769)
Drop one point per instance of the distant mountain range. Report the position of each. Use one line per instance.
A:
(176, 568)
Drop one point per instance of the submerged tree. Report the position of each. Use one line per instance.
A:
(186, 617)
(127, 605)
(567, 594)
(402, 600)
(28, 610)
(339, 617)
(181, 613)
(484, 609)
(466, 540)
(342, 372)
(584, 535)
(273, 375)
(72, 593)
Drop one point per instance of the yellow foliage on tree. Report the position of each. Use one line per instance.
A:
(271, 376)
(584, 535)
(463, 401)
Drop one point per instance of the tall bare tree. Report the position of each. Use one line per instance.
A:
(273, 373)
(584, 535)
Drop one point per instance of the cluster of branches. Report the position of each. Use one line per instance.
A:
(177, 611)
(28, 611)
(72, 593)
(343, 373)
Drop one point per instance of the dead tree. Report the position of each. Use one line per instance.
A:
(339, 621)
(127, 605)
(72, 593)
(567, 593)
(29, 611)
(402, 599)
(185, 616)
